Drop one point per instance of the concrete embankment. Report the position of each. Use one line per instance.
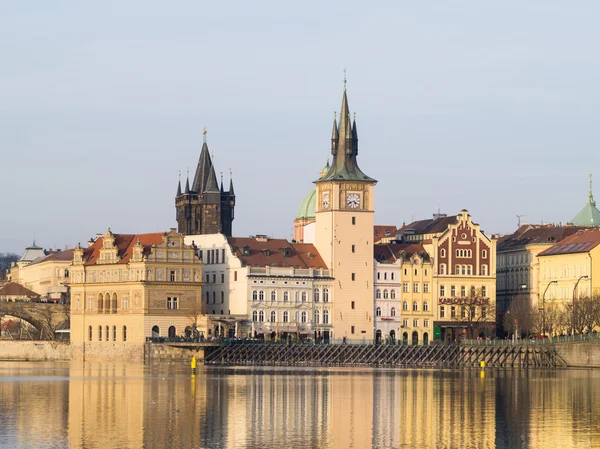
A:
(35, 350)
(580, 355)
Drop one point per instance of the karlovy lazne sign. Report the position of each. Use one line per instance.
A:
(464, 301)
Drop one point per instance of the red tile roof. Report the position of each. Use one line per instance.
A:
(124, 244)
(66, 255)
(276, 253)
(14, 289)
(381, 231)
(581, 242)
(392, 251)
(537, 234)
(431, 225)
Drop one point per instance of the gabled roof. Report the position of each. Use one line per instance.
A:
(582, 241)
(529, 234)
(263, 252)
(389, 252)
(14, 289)
(58, 256)
(430, 226)
(124, 244)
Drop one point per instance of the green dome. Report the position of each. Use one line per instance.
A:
(307, 206)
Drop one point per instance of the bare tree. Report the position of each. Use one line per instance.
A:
(584, 314)
(520, 317)
(475, 311)
(6, 260)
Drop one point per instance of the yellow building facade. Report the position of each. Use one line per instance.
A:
(126, 288)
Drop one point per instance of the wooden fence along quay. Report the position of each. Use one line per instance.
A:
(383, 355)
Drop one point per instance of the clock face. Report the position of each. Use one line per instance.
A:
(353, 200)
(325, 200)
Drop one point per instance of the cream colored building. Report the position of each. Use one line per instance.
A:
(570, 268)
(126, 288)
(263, 287)
(344, 231)
(518, 266)
(46, 273)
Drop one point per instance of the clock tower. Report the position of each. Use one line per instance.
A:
(344, 217)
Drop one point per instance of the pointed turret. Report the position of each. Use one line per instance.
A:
(222, 191)
(203, 171)
(179, 187)
(231, 193)
(187, 185)
(344, 165)
(334, 136)
(589, 215)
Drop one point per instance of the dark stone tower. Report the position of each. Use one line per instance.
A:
(204, 208)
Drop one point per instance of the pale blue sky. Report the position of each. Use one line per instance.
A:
(464, 104)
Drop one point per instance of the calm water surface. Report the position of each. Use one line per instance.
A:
(112, 405)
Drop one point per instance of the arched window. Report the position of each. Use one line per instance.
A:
(261, 316)
(484, 291)
(325, 316)
(90, 333)
(261, 295)
(286, 316)
(316, 295)
(443, 268)
(155, 332)
(484, 253)
(393, 311)
(303, 317)
(442, 252)
(273, 295)
(426, 306)
(385, 294)
(405, 305)
(222, 297)
(124, 333)
(254, 315)
(317, 316)
(273, 316)
(254, 295)
(100, 302)
(484, 270)
(114, 303)
(99, 333)
(325, 295)
(378, 294)
(286, 296)
(303, 296)
(378, 311)
(415, 306)
(393, 294)
(172, 331)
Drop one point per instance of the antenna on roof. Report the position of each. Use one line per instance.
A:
(519, 219)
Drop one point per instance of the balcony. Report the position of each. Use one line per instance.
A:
(289, 272)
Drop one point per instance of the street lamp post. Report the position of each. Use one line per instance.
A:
(544, 306)
(585, 278)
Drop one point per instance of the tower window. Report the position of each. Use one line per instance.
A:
(353, 222)
(353, 248)
(351, 329)
(353, 276)
(352, 304)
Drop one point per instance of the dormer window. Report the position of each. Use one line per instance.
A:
(245, 251)
(287, 252)
(266, 252)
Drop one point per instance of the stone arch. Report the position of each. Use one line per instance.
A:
(155, 331)
(172, 332)
(100, 302)
(415, 338)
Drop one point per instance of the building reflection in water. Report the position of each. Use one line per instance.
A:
(100, 405)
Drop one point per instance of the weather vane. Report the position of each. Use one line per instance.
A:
(344, 80)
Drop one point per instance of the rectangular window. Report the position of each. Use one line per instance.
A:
(222, 278)
(425, 288)
(351, 329)
(214, 278)
(172, 276)
(426, 272)
(393, 276)
(425, 323)
(452, 312)
(378, 275)
(352, 304)
(172, 303)
(415, 288)
(483, 312)
(405, 287)
(208, 278)
(484, 291)
(416, 272)
(452, 291)
(442, 312)
(442, 291)
(217, 256)
(353, 277)
(463, 290)
(405, 272)
(200, 254)
(415, 323)
(353, 247)
(235, 276)
(222, 256)
(353, 222)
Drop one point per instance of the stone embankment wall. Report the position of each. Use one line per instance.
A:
(99, 350)
(156, 352)
(584, 354)
(35, 350)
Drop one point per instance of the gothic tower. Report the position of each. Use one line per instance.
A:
(205, 208)
(344, 231)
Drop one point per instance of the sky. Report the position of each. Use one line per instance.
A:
(487, 106)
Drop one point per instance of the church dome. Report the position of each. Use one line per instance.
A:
(307, 206)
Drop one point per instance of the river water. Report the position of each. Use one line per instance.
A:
(113, 405)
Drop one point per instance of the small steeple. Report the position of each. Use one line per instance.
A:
(179, 184)
(589, 215)
(222, 191)
(354, 136)
(187, 185)
(334, 135)
(591, 195)
(231, 193)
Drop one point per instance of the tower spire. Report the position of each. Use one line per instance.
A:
(591, 195)
(231, 193)
(179, 184)
(334, 135)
